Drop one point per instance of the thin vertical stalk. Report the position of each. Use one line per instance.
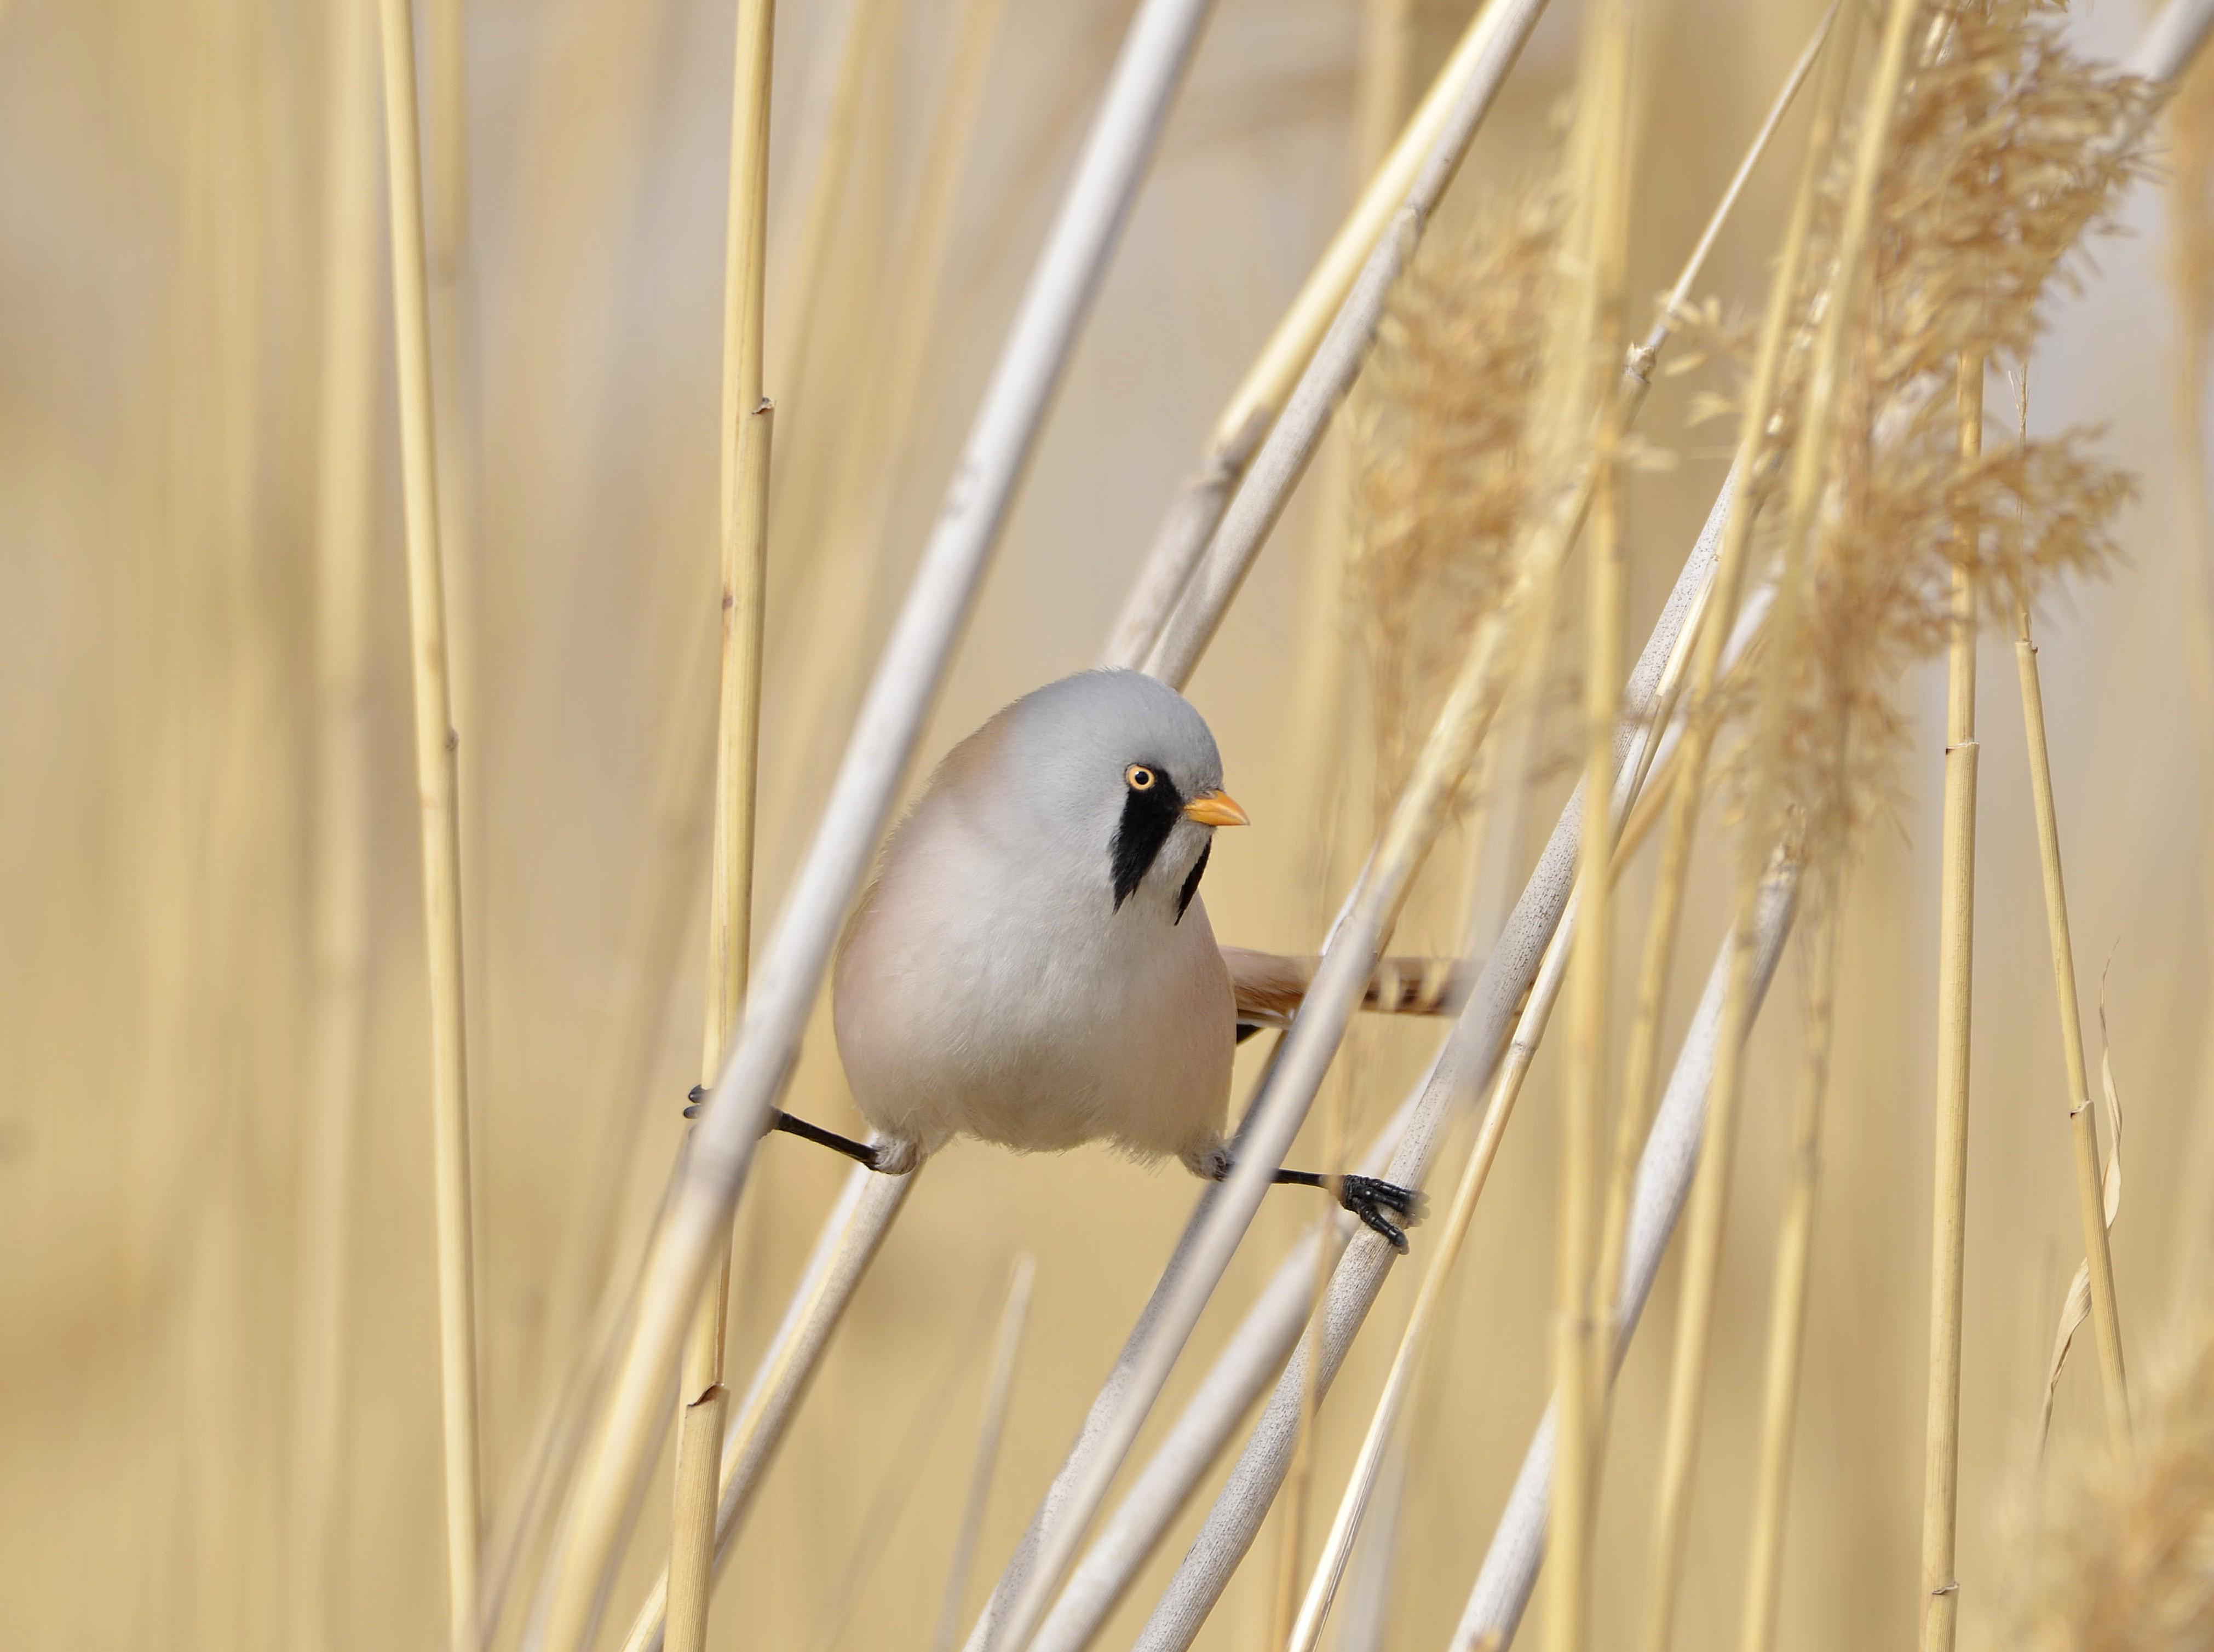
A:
(1686, 786)
(438, 786)
(991, 1430)
(701, 1397)
(1810, 462)
(1955, 951)
(2090, 1199)
(345, 494)
(1787, 1313)
(1605, 91)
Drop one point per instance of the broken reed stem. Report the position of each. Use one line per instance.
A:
(1955, 944)
(1682, 795)
(747, 423)
(1787, 1312)
(991, 1430)
(2105, 1318)
(437, 785)
(1605, 93)
(1260, 397)
(1810, 464)
(346, 490)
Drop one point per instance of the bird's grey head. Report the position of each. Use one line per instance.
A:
(1124, 768)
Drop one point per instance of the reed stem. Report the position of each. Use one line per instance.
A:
(1604, 93)
(991, 1431)
(747, 423)
(438, 786)
(2090, 1197)
(1955, 951)
(1787, 1313)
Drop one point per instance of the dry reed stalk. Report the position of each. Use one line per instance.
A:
(1256, 1351)
(991, 1432)
(1809, 467)
(1467, 1062)
(1672, 1155)
(747, 422)
(1305, 1056)
(1265, 485)
(1681, 797)
(1787, 1312)
(1941, 1590)
(437, 780)
(851, 1235)
(1506, 1091)
(2167, 47)
(2091, 1197)
(1483, 58)
(882, 741)
(1603, 97)
(344, 514)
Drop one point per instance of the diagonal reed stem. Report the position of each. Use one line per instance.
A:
(991, 1431)
(2082, 1129)
(437, 788)
(1672, 1154)
(1196, 512)
(890, 723)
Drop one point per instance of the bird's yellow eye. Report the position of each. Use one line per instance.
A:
(1140, 777)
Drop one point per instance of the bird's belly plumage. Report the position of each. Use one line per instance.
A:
(1075, 1021)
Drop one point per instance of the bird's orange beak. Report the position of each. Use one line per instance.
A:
(1216, 809)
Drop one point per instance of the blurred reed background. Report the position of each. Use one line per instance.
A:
(221, 1416)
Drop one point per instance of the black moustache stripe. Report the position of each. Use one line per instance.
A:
(1191, 878)
(1148, 818)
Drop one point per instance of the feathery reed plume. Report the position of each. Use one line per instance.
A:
(345, 522)
(884, 735)
(2113, 1551)
(748, 424)
(1437, 431)
(437, 779)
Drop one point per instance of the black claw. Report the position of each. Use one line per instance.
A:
(695, 1095)
(1368, 1197)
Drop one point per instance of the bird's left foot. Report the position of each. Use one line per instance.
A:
(1368, 1197)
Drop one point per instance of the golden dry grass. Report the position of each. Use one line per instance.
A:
(161, 203)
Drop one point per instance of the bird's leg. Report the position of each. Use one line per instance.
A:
(1367, 1197)
(861, 1153)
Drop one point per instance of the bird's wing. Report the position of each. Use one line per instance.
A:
(1270, 986)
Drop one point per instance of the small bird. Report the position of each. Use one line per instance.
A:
(1033, 964)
